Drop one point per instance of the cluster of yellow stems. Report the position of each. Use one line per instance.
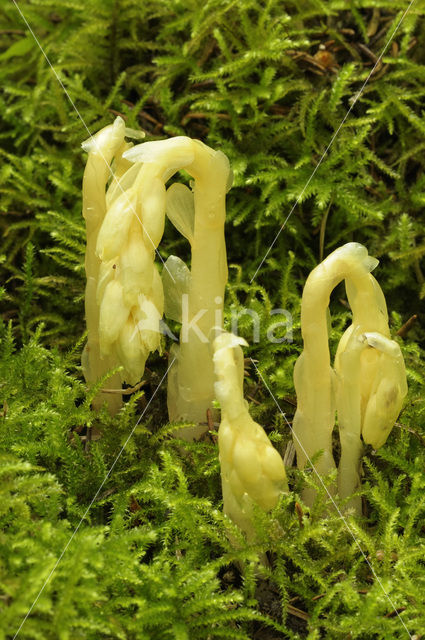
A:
(125, 201)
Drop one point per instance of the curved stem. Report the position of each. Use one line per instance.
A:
(193, 391)
(313, 376)
(371, 382)
(252, 471)
(102, 148)
(191, 380)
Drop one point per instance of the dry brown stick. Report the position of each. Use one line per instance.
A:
(300, 513)
(298, 612)
(150, 118)
(210, 420)
(11, 32)
(253, 400)
(410, 430)
(125, 392)
(404, 330)
(118, 113)
(368, 52)
(395, 612)
(202, 115)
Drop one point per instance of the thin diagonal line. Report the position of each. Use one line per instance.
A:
(349, 529)
(91, 503)
(357, 96)
(90, 135)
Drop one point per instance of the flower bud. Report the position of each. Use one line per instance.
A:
(153, 212)
(113, 315)
(115, 226)
(137, 266)
(131, 352)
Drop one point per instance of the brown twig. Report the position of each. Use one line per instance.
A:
(410, 430)
(149, 118)
(289, 455)
(369, 54)
(318, 597)
(118, 113)
(404, 330)
(253, 400)
(210, 421)
(290, 401)
(395, 612)
(298, 613)
(201, 115)
(125, 392)
(11, 32)
(300, 514)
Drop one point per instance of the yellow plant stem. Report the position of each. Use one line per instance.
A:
(191, 379)
(102, 148)
(252, 471)
(313, 375)
(193, 393)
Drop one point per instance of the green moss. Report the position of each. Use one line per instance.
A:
(151, 557)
